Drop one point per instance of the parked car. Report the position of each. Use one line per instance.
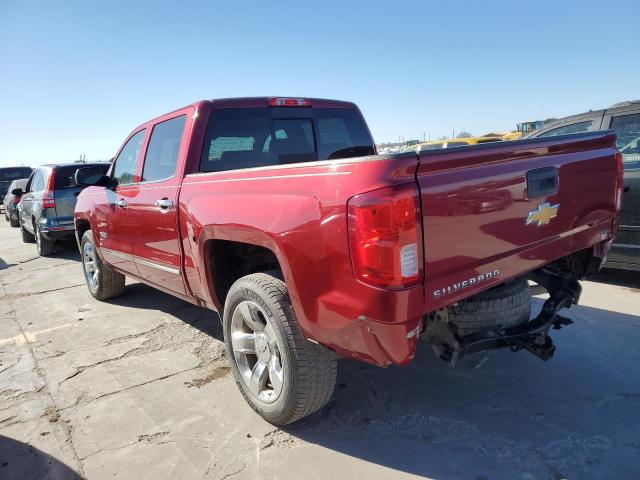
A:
(277, 213)
(47, 203)
(8, 175)
(624, 119)
(11, 201)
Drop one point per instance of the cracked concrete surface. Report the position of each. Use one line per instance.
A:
(139, 388)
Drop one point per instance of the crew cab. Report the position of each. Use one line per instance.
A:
(278, 214)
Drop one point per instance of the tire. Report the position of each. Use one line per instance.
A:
(308, 370)
(501, 307)
(26, 236)
(45, 247)
(14, 223)
(107, 283)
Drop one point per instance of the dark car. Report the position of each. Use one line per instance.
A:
(624, 119)
(47, 204)
(11, 201)
(9, 174)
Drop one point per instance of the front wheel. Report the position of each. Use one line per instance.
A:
(103, 282)
(283, 376)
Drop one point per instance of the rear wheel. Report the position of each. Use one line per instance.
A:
(283, 376)
(14, 223)
(45, 247)
(103, 282)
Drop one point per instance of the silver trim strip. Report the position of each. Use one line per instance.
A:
(157, 266)
(115, 253)
(141, 261)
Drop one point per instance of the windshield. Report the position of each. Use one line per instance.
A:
(257, 137)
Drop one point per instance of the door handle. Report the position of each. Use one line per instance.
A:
(122, 203)
(164, 203)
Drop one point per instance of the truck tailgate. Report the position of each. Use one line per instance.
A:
(484, 222)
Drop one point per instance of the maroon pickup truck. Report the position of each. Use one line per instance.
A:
(278, 214)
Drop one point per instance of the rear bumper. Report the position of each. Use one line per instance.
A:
(59, 232)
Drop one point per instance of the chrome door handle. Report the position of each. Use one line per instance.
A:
(164, 203)
(122, 203)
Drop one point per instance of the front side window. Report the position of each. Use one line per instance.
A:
(627, 127)
(125, 167)
(162, 153)
(579, 127)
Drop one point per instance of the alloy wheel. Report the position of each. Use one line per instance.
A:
(256, 351)
(90, 265)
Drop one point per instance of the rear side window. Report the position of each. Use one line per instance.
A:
(628, 141)
(579, 127)
(162, 152)
(37, 183)
(65, 177)
(258, 137)
(125, 165)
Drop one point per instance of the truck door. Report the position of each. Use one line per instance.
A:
(156, 246)
(113, 226)
(627, 127)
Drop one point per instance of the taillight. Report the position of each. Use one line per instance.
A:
(385, 237)
(15, 200)
(620, 180)
(48, 199)
(289, 102)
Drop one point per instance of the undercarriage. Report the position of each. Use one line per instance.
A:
(561, 281)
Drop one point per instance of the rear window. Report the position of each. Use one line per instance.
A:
(10, 174)
(257, 137)
(65, 176)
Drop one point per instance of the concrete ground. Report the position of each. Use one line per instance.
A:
(138, 388)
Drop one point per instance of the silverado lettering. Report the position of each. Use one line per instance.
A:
(470, 282)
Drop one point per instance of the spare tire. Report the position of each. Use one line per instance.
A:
(504, 306)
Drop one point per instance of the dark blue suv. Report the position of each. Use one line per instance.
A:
(47, 204)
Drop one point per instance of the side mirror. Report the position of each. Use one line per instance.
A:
(91, 176)
(16, 192)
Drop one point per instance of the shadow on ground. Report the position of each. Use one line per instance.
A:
(512, 416)
(20, 461)
(139, 295)
(621, 278)
(572, 417)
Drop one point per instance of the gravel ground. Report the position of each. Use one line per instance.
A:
(139, 388)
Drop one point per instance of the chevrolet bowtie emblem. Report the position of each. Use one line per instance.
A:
(543, 214)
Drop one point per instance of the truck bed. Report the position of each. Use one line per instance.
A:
(476, 205)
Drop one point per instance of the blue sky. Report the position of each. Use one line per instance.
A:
(77, 76)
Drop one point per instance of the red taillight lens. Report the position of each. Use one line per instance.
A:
(289, 102)
(385, 237)
(620, 180)
(15, 200)
(48, 199)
